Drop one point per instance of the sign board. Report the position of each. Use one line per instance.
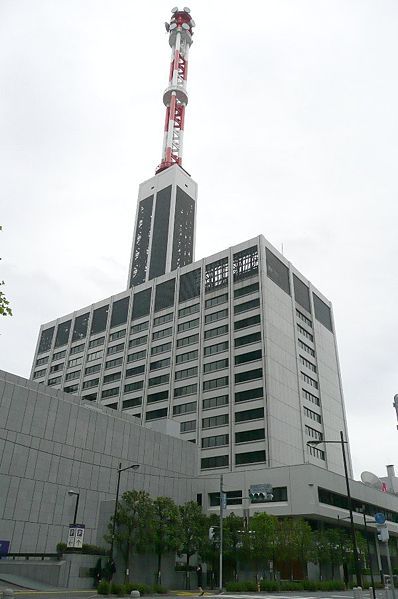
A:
(261, 493)
(265, 488)
(4, 547)
(75, 536)
(380, 518)
(224, 501)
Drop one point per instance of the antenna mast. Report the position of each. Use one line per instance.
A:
(175, 98)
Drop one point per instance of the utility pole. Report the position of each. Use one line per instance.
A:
(221, 528)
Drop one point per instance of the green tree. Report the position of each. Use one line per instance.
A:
(294, 541)
(193, 532)
(5, 309)
(233, 529)
(261, 540)
(210, 548)
(166, 528)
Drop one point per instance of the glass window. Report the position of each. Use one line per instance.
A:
(141, 304)
(138, 328)
(110, 392)
(215, 441)
(92, 369)
(59, 355)
(304, 318)
(249, 457)
(310, 381)
(186, 373)
(312, 415)
(250, 375)
(245, 263)
(214, 316)
(306, 348)
(305, 333)
(120, 309)
(90, 397)
(246, 436)
(185, 408)
(96, 342)
(216, 301)
(215, 402)
(75, 361)
(301, 293)
(186, 390)
(249, 357)
(163, 319)
(187, 325)
(131, 403)
(217, 365)
(91, 383)
(241, 291)
(188, 310)
(154, 414)
(216, 383)
(136, 386)
(162, 334)
(158, 380)
(55, 381)
(117, 335)
(80, 327)
(218, 461)
(247, 339)
(322, 312)
(190, 285)
(165, 363)
(139, 355)
(159, 396)
(233, 498)
(115, 349)
(115, 376)
(277, 271)
(39, 373)
(137, 370)
(187, 357)
(216, 332)
(213, 421)
(164, 297)
(186, 427)
(100, 318)
(211, 350)
(216, 274)
(113, 363)
(249, 415)
(247, 322)
(77, 349)
(71, 389)
(249, 394)
(63, 331)
(46, 340)
(57, 367)
(42, 361)
(311, 397)
(161, 349)
(246, 306)
(138, 341)
(188, 340)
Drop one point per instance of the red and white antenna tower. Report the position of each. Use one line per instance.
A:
(175, 98)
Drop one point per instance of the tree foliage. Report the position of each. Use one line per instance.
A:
(166, 528)
(193, 532)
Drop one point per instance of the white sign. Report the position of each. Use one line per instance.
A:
(75, 536)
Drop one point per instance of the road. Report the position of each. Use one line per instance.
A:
(71, 594)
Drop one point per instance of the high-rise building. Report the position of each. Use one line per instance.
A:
(239, 348)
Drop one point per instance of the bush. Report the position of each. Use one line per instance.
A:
(247, 586)
(61, 547)
(143, 588)
(94, 550)
(103, 587)
(157, 588)
(331, 585)
(310, 585)
(269, 586)
(118, 589)
(286, 585)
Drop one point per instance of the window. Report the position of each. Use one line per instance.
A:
(77, 349)
(138, 328)
(307, 364)
(301, 293)
(190, 285)
(309, 380)
(216, 332)
(139, 355)
(165, 363)
(163, 319)
(91, 383)
(246, 290)
(133, 386)
(110, 392)
(59, 355)
(188, 310)
(249, 395)
(213, 421)
(322, 312)
(218, 461)
(57, 368)
(39, 373)
(42, 361)
(250, 375)
(246, 306)
(113, 363)
(249, 415)
(216, 301)
(317, 453)
(100, 318)
(92, 369)
(186, 390)
(216, 383)
(185, 408)
(162, 334)
(160, 231)
(312, 415)
(304, 318)
(187, 357)
(141, 304)
(189, 324)
(90, 397)
(215, 402)
(233, 498)
(158, 380)
(71, 389)
(215, 441)
(120, 309)
(214, 316)
(257, 434)
(159, 396)
(313, 433)
(96, 342)
(211, 350)
(46, 340)
(216, 274)
(75, 361)
(311, 397)
(248, 339)
(306, 348)
(277, 271)
(137, 341)
(154, 414)
(62, 335)
(94, 356)
(187, 427)
(55, 381)
(245, 263)
(249, 457)
(117, 335)
(217, 365)
(115, 349)
(80, 327)
(186, 373)
(305, 333)
(247, 322)
(109, 378)
(188, 340)
(249, 357)
(140, 264)
(131, 403)
(164, 297)
(161, 349)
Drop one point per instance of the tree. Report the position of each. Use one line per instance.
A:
(261, 540)
(294, 541)
(193, 532)
(210, 548)
(5, 309)
(167, 529)
(233, 528)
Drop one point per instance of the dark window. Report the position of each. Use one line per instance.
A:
(186, 390)
(188, 324)
(133, 386)
(213, 421)
(54, 381)
(316, 452)
(162, 334)
(249, 394)
(188, 310)
(92, 369)
(215, 402)
(80, 327)
(110, 392)
(63, 331)
(96, 342)
(214, 316)
(311, 397)
(161, 349)
(160, 396)
(138, 341)
(141, 242)
(162, 413)
(100, 318)
(163, 319)
(312, 432)
(71, 388)
(160, 233)
(184, 224)
(46, 340)
(249, 415)
(115, 376)
(216, 274)
(250, 305)
(214, 462)
(158, 380)
(57, 367)
(304, 332)
(249, 357)
(113, 363)
(164, 297)
(187, 340)
(215, 441)
(322, 312)
(185, 408)
(312, 415)
(71, 376)
(141, 304)
(139, 355)
(249, 457)
(76, 350)
(190, 285)
(246, 436)
(138, 328)
(58, 355)
(42, 361)
(215, 383)
(250, 375)
(277, 271)
(199, 498)
(188, 357)
(91, 383)
(246, 290)
(115, 349)
(216, 301)
(165, 363)
(216, 349)
(132, 403)
(222, 330)
(301, 293)
(137, 370)
(247, 339)
(119, 311)
(247, 322)
(233, 498)
(186, 373)
(117, 335)
(90, 397)
(39, 373)
(187, 427)
(245, 263)
(217, 365)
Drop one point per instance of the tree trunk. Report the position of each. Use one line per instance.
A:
(187, 581)
(159, 576)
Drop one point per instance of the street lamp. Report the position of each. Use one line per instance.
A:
(71, 492)
(119, 471)
(365, 522)
(347, 482)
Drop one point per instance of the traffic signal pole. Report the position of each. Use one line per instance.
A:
(221, 528)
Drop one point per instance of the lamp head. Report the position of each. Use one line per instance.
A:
(72, 492)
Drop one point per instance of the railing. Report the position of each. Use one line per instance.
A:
(32, 556)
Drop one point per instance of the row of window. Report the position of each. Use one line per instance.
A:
(220, 461)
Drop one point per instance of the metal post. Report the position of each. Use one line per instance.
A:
(115, 512)
(221, 529)
(370, 560)
(390, 569)
(76, 506)
(354, 541)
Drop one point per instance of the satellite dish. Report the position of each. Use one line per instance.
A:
(186, 9)
(185, 26)
(174, 10)
(371, 480)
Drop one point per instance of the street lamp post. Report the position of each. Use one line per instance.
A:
(368, 546)
(119, 471)
(347, 482)
(71, 492)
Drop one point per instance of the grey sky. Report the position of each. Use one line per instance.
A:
(291, 131)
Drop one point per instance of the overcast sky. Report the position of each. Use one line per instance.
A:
(291, 131)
